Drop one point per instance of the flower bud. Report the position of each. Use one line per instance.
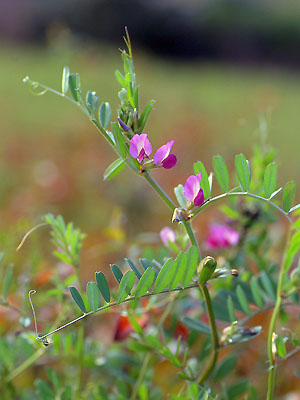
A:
(295, 277)
(179, 215)
(206, 269)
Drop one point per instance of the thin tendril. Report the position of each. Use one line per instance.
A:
(29, 232)
(33, 312)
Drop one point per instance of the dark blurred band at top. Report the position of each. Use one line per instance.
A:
(227, 30)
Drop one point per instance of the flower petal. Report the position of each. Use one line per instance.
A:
(162, 153)
(140, 146)
(170, 161)
(199, 199)
(146, 144)
(191, 187)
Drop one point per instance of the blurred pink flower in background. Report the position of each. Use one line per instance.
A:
(221, 237)
(167, 235)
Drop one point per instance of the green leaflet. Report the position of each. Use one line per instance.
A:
(179, 193)
(74, 86)
(134, 268)
(288, 196)
(243, 300)
(179, 267)
(145, 115)
(92, 292)
(270, 178)
(105, 114)
(103, 286)
(119, 139)
(243, 172)
(224, 367)
(280, 346)
(230, 307)
(114, 168)
(268, 285)
(120, 78)
(196, 325)
(165, 276)
(117, 272)
(205, 186)
(77, 298)
(255, 290)
(65, 80)
(126, 285)
(221, 173)
(92, 101)
(145, 282)
(293, 248)
(191, 265)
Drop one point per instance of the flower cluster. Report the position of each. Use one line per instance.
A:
(141, 148)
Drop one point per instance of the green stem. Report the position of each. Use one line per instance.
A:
(80, 344)
(234, 194)
(191, 234)
(22, 367)
(272, 360)
(161, 193)
(115, 303)
(215, 341)
(141, 376)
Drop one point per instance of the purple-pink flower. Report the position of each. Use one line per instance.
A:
(162, 155)
(221, 237)
(193, 191)
(167, 235)
(140, 147)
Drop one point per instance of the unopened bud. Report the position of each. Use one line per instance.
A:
(206, 269)
(295, 277)
(123, 125)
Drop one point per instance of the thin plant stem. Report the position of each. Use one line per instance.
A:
(80, 344)
(235, 194)
(22, 367)
(141, 376)
(115, 303)
(215, 341)
(272, 360)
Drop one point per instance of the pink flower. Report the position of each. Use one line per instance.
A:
(162, 155)
(167, 235)
(221, 237)
(140, 147)
(193, 191)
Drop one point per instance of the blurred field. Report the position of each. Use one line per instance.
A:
(53, 159)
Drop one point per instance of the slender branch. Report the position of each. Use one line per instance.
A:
(234, 194)
(215, 341)
(41, 338)
(191, 234)
(272, 360)
(141, 376)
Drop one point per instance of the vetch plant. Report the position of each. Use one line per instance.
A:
(228, 292)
